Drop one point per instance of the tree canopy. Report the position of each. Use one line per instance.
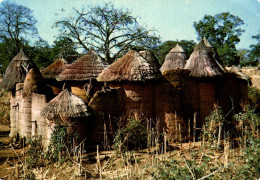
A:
(17, 23)
(108, 30)
(254, 56)
(223, 32)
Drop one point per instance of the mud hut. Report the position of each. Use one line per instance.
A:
(204, 72)
(70, 110)
(175, 59)
(137, 76)
(77, 74)
(34, 84)
(53, 70)
(15, 75)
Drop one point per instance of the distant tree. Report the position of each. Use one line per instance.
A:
(243, 57)
(108, 30)
(223, 32)
(64, 47)
(254, 56)
(163, 49)
(17, 23)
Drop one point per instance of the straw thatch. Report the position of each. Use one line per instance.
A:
(239, 74)
(150, 57)
(202, 63)
(16, 71)
(175, 59)
(65, 105)
(54, 69)
(33, 83)
(87, 67)
(131, 67)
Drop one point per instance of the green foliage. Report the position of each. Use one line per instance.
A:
(223, 32)
(212, 122)
(64, 47)
(254, 98)
(243, 57)
(254, 55)
(162, 50)
(57, 151)
(175, 169)
(35, 152)
(108, 30)
(17, 24)
(132, 136)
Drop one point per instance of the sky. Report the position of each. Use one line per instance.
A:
(172, 19)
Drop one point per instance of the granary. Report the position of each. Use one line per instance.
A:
(175, 59)
(204, 71)
(34, 84)
(13, 81)
(136, 75)
(82, 74)
(67, 109)
(49, 73)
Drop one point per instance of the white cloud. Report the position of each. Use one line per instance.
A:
(258, 0)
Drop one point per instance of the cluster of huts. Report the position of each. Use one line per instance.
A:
(88, 93)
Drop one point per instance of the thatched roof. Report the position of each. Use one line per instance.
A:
(131, 67)
(175, 59)
(87, 67)
(33, 83)
(54, 69)
(150, 57)
(16, 71)
(202, 63)
(65, 105)
(239, 74)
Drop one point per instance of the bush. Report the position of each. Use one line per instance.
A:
(35, 152)
(57, 149)
(254, 98)
(132, 136)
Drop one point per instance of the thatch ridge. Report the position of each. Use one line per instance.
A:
(202, 63)
(239, 74)
(16, 71)
(33, 83)
(86, 67)
(65, 105)
(131, 67)
(54, 69)
(175, 59)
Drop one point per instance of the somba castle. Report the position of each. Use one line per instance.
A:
(86, 94)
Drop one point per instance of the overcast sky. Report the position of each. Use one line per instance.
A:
(173, 19)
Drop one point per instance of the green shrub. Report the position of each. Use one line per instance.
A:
(57, 151)
(35, 152)
(132, 136)
(254, 98)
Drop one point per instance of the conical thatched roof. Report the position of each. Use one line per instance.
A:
(202, 63)
(33, 83)
(215, 54)
(175, 59)
(16, 71)
(54, 69)
(87, 67)
(131, 67)
(65, 105)
(150, 57)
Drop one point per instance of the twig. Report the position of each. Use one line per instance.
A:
(193, 177)
(210, 174)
